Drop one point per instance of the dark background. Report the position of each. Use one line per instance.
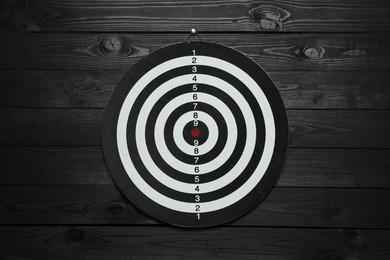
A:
(61, 60)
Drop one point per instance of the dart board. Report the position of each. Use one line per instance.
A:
(195, 134)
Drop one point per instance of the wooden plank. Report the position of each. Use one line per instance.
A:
(334, 90)
(283, 207)
(96, 242)
(57, 89)
(299, 89)
(336, 168)
(161, 16)
(120, 51)
(51, 127)
(356, 168)
(47, 166)
(350, 128)
(308, 128)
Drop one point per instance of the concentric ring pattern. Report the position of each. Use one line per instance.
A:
(195, 134)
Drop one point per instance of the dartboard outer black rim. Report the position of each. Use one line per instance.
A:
(224, 146)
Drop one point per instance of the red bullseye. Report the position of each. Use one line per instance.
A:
(195, 132)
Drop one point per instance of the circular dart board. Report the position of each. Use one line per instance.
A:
(195, 134)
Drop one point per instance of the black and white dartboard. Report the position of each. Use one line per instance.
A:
(195, 134)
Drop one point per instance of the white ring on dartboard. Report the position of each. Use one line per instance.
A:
(161, 103)
(212, 111)
(159, 133)
(181, 122)
(188, 135)
(216, 162)
(219, 203)
(202, 98)
(224, 180)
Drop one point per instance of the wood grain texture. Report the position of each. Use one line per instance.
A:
(299, 89)
(56, 165)
(93, 242)
(351, 128)
(356, 168)
(308, 128)
(51, 127)
(283, 207)
(61, 61)
(161, 16)
(30, 51)
(336, 168)
(57, 89)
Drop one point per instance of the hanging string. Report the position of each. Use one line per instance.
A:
(193, 33)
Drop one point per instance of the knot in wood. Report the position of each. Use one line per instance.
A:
(270, 22)
(269, 18)
(115, 45)
(314, 52)
(76, 235)
(332, 211)
(355, 237)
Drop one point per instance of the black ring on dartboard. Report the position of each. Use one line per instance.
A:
(169, 170)
(141, 200)
(207, 108)
(192, 133)
(224, 98)
(180, 155)
(155, 184)
(186, 197)
(160, 162)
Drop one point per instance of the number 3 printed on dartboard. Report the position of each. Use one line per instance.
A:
(194, 69)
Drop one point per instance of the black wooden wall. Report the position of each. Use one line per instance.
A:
(61, 60)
